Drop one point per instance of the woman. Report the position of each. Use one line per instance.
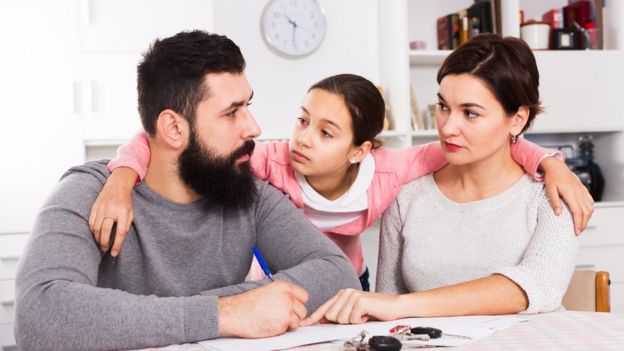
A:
(477, 236)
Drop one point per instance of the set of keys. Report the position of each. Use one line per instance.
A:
(406, 333)
(392, 342)
(364, 342)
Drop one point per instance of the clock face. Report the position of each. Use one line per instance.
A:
(293, 28)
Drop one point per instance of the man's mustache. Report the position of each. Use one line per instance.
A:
(246, 149)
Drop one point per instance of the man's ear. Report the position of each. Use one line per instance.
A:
(519, 120)
(360, 152)
(172, 129)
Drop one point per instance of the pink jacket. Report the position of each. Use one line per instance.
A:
(393, 167)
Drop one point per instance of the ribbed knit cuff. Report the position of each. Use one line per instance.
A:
(201, 318)
(518, 277)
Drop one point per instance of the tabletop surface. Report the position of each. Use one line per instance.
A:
(566, 330)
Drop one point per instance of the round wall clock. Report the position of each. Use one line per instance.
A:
(293, 28)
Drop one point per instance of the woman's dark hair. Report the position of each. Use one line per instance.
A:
(172, 73)
(506, 65)
(364, 103)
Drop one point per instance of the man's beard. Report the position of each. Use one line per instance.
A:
(218, 178)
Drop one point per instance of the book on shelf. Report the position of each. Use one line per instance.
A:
(448, 31)
(454, 29)
(416, 116)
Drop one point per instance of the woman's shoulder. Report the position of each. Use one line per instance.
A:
(415, 189)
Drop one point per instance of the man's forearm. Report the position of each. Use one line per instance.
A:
(72, 316)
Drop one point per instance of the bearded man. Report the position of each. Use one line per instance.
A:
(181, 275)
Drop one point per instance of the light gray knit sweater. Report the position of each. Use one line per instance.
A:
(428, 241)
(70, 298)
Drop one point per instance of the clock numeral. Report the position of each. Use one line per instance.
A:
(307, 44)
(294, 3)
(277, 15)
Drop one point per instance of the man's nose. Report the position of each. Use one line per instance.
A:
(251, 129)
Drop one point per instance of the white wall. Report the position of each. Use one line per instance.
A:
(280, 84)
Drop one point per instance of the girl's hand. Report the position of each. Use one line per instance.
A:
(561, 182)
(113, 205)
(350, 306)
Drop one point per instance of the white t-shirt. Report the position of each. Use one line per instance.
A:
(326, 214)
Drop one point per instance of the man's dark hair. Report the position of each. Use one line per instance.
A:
(172, 73)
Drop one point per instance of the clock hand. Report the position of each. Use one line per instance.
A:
(294, 24)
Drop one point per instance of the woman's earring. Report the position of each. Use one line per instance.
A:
(352, 161)
(514, 138)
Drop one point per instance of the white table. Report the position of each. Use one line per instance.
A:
(549, 331)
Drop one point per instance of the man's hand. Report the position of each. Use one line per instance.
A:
(113, 205)
(350, 306)
(561, 182)
(263, 312)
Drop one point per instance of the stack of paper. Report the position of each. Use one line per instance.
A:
(460, 330)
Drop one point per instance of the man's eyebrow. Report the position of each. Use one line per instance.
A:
(239, 103)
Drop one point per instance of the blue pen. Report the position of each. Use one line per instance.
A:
(265, 267)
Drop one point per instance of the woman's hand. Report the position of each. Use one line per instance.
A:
(561, 182)
(350, 306)
(113, 205)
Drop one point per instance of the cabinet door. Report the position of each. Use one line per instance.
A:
(580, 90)
(40, 138)
(129, 26)
(107, 96)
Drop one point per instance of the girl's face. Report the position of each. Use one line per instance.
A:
(472, 124)
(322, 139)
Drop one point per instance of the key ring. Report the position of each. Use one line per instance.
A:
(362, 342)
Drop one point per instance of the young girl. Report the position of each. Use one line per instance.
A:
(332, 167)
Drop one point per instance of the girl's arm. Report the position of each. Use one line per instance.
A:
(559, 180)
(114, 203)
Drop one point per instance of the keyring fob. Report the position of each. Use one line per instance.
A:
(433, 333)
(384, 343)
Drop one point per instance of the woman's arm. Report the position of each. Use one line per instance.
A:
(537, 284)
(389, 275)
(491, 295)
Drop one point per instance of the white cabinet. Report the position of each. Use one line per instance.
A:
(602, 248)
(119, 26)
(11, 247)
(40, 137)
(113, 35)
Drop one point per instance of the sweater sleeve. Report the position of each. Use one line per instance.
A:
(389, 275)
(298, 252)
(546, 267)
(58, 303)
(529, 155)
(135, 154)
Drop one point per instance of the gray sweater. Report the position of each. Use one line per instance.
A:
(428, 241)
(69, 297)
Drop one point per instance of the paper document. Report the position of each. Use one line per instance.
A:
(471, 328)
